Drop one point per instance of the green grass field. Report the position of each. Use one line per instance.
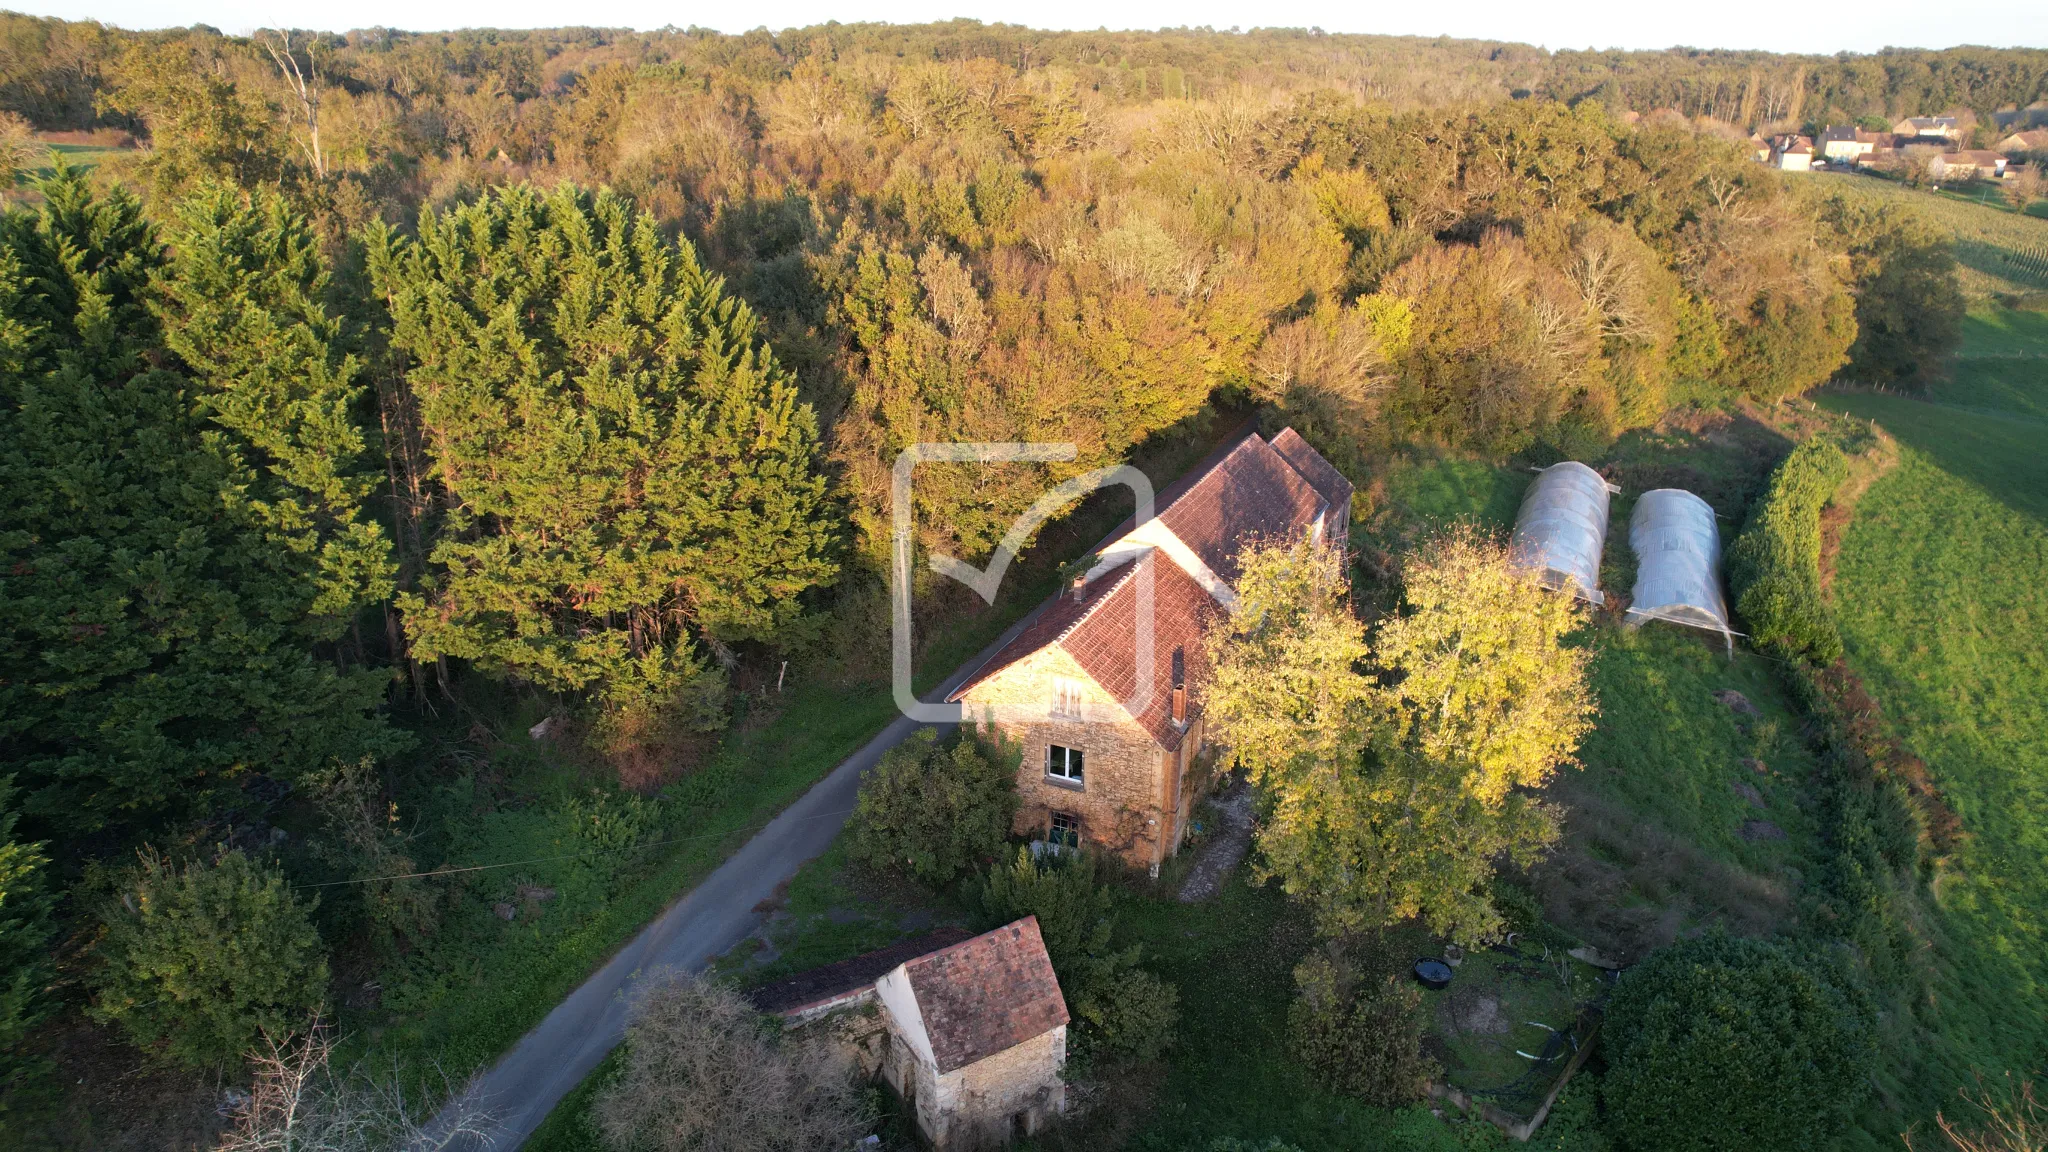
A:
(2000, 251)
(1942, 600)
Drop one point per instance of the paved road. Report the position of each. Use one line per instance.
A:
(527, 1082)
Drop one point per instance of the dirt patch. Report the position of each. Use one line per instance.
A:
(1225, 851)
(1748, 792)
(1473, 1013)
(1761, 830)
(1736, 702)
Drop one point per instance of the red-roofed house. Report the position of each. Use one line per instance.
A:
(1111, 728)
(971, 1033)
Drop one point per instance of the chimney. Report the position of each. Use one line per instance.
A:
(1180, 687)
(1079, 584)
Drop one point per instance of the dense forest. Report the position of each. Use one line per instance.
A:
(576, 360)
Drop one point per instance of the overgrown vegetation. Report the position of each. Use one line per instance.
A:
(1123, 1010)
(1774, 566)
(936, 809)
(1724, 1043)
(700, 1070)
(200, 959)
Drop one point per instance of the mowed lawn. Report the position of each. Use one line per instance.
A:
(1942, 592)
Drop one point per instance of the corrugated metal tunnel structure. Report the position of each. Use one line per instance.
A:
(1678, 562)
(1562, 529)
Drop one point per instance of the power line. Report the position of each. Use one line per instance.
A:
(564, 856)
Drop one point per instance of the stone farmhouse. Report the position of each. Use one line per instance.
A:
(1110, 715)
(1929, 129)
(1967, 165)
(969, 1031)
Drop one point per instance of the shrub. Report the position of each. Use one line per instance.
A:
(1233, 1144)
(1724, 1043)
(1775, 564)
(703, 1070)
(200, 959)
(1358, 1029)
(24, 959)
(936, 809)
(1122, 1010)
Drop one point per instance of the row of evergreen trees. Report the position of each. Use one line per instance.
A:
(536, 436)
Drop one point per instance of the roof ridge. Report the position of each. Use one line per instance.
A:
(1130, 570)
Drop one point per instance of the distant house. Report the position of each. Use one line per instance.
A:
(1111, 726)
(2033, 140)
(1928, 128)
(1791, 153)
(1850, 142)
(1760, 148)
(1967, 165)
(970, 1031)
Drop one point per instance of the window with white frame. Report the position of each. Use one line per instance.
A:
(1066, 697)
(1063, 764)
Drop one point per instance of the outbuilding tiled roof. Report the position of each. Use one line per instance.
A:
(832, 982)
(984, 995)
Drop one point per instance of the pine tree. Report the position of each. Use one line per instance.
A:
(152, 631)
(242, 305)
(625, 470)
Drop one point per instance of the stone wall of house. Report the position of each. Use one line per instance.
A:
(1122, 798)
(1015, 1092)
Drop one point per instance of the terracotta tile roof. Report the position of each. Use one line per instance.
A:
(835, 981)
(1048, 623)
(1322, 475)
(987, 994)
(1252, 492)
(1167, 495)
(1247, 490)
(1104, 645)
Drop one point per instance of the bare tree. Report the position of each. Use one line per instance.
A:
(305, 85)
(2014, 1121)
(296, 1103)
(2025, 186)
(703, 1075)
(20, 151)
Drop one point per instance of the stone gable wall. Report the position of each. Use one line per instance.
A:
(1122, 801)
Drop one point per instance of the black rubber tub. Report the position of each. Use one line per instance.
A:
(1433, 973)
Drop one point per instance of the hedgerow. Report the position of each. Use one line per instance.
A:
(1775, 564)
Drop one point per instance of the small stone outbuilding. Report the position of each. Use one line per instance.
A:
(970, 1033)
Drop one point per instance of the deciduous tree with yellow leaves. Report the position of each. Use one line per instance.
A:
(1400, 768)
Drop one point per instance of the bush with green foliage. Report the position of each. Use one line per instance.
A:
(1774, 566)
(24, 958)
(1356, 1024)
(1121, 1009)
(1233, 1144)
(199, 960)
(1725, 1043)
(937, 809)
